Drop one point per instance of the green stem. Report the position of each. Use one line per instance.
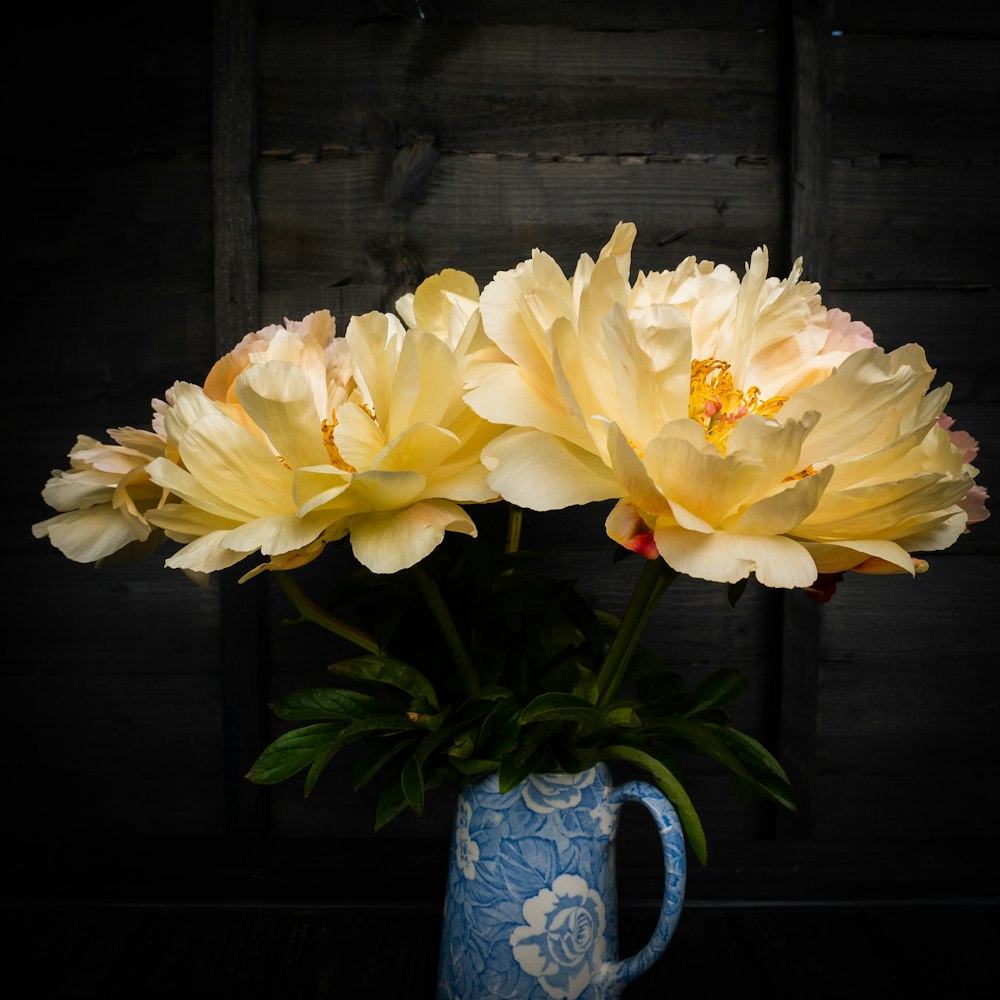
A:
(514, 518)
(314, 613)
(445, 622)
(654, 579)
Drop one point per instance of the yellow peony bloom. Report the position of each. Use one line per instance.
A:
(742, 427)
(103, 498)
(299, 438)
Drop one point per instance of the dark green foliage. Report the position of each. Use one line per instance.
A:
(530, 702)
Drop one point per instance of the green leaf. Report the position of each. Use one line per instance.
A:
(716, 690)
(768, 775)
(557, 706)
(316, 768)
(412, 781)
(327, 703)
(378, 757)
(390, 804)
(586, 686)
(668, 783)
(621, 715)
(462, 747)
(378, 725)
(293, 751)
(700, 736)
(384, 669)
(515, 767)
(500, 729)
(473, 766)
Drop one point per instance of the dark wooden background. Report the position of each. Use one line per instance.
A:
(189, 172)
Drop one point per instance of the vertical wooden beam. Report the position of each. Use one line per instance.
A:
(809, 178)
(242, 609)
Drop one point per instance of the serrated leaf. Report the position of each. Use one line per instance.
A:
(558, 706)
(384, 669)
(327, 703)
(668, 783)
(293, 751)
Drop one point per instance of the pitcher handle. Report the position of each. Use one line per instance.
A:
(674, 880)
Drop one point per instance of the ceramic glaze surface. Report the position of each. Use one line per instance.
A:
(531, 906)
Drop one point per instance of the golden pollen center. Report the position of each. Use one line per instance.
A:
(718, 405)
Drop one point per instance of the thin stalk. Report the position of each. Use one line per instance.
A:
(314, 613)
(445, 622)
(654, 579)
(514, 517)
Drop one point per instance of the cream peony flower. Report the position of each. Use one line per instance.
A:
(299, 438)
(104, 497)
(742, 427)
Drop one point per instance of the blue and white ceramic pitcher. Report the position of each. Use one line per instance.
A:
(531, 910)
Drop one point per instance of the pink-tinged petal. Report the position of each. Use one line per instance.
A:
(974, 505)
(625, 526)
(846, 334)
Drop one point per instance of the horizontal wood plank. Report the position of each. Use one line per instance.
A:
(551, 90)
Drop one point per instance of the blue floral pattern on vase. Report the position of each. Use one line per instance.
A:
(531, 904)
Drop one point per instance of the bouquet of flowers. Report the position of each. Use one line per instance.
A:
(733, 426)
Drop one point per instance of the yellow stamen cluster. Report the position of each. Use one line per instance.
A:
(718, 405)
(336, 459)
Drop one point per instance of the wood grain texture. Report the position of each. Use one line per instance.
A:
(517, 88)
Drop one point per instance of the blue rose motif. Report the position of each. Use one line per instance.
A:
(545, 793)
(563, 943)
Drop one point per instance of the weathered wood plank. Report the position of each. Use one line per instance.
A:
(321, 223)
(934, 98)
(903, 17)
(913, 226)
(517, 89)
(638, 15)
